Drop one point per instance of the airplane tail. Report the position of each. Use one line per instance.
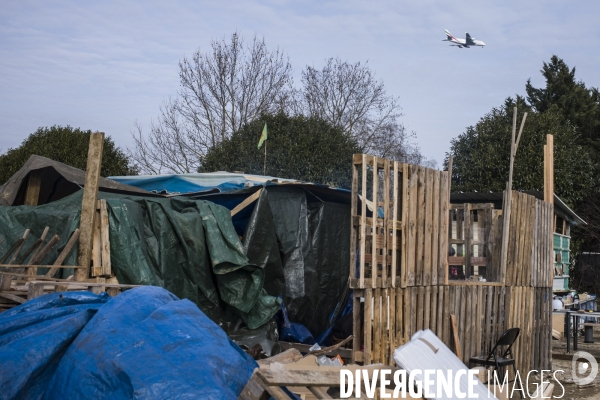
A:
(449, 35)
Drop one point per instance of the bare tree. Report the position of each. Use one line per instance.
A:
(221, 90)
(349, 96)
(233, 84)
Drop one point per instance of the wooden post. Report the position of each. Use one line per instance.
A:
(33, 188)
(455, 337)
(508, 194)
(88, 205)
(549, 169)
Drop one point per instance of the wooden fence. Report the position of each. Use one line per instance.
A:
(400, 279)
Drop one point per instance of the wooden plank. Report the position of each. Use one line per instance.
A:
(436, 228)
(353, 212)
(405, 220)
(384, 350)
(376, 231)
(253, 391)
(455, 336)
(529, 259)
(462, 319)
(363, 223)
(407, 314)
(32, 193)
(387, 224)
(247, 201)
(427, 259)
(523, 209)
(391, 325)
(421, 206)
(399, 326)
(88, 204)
(320, 393)
(368, 324)
(395, 268)
(105, 242)
(282, 377)
(377, 328)
(420, 307)
(356, 325)
(513, 240)
(414, 314)
(479, 322)
(14, 298)
(33, 271)
(440, 313)
(411, 246)
(468, 236)
(448, 298)
(489, 241)
(427, 308)
(444, 229)
(549, 166)
(488, 317)
(41, 255)
(96, 269)
(35, 290)
(433, 315)
(64, 253)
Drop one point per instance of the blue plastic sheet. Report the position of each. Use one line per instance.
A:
(144, 343)
(293, 331)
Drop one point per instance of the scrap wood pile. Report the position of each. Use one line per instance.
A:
(34, 265)
(20, 265)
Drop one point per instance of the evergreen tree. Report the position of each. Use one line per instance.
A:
(303, 148)
(66, 145)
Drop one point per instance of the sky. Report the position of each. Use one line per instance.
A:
(105, 65)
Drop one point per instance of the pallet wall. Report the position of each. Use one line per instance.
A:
(402, 227)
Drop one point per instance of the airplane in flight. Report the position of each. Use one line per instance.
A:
(468, 42)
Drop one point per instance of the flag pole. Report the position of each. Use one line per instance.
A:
(265, 163)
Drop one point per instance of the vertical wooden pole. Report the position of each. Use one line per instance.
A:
(549, 169)
(88, 204)
(549, 197)
(33, 188)
(507, 200)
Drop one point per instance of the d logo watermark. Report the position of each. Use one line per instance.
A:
(584, 367)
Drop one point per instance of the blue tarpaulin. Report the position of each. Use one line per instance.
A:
(144, 343)
(195, 182)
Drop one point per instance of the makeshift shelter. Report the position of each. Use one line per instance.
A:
(53, 181)
(187, 246)
(298, 232)
(564, 218)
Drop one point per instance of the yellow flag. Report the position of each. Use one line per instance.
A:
(263, 137)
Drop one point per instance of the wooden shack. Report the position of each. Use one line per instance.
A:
(404, 226)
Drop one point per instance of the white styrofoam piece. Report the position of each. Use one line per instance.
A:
(419, 354)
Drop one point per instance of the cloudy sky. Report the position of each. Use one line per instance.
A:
(104, 65)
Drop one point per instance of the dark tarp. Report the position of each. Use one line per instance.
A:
(144, 343)
(300, 235)
(187, 246)
(58, 180)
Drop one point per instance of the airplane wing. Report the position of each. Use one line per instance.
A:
(469, 40)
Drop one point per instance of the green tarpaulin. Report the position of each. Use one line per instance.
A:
(189, 247)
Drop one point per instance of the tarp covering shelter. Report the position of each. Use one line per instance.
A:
(58, 180)
(192, 182)
(300, 235)
(144, 343)
(187, 246)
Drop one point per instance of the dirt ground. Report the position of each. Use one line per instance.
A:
(573, 391)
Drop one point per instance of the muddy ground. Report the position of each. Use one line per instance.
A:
(573, 391)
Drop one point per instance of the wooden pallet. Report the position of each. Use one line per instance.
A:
(399, 232)
(266, 383)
